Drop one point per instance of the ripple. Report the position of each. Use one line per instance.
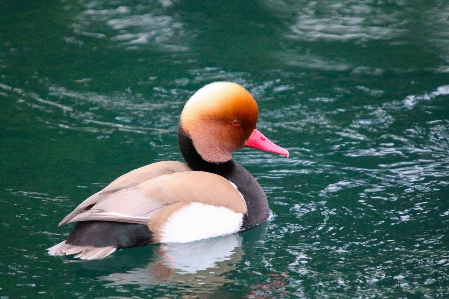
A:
(313, 61)
(347, 21)
(437, 25)
(80, 110)
(131, 26)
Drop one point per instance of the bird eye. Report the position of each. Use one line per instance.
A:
(235, 123)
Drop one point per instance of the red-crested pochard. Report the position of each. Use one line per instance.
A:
(211, 195)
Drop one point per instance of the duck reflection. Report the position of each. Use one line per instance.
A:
(198, 268)
(200, 262)
(200, 256)
(205, 263)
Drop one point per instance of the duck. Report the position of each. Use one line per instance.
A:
(210, 195)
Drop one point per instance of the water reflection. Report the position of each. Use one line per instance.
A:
(201, 264)
(198, 268)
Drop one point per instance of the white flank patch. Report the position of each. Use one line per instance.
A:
(198, 221)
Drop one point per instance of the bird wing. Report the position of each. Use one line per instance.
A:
(136, 204)
(130, 179)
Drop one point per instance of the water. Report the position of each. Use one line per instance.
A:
(357, 91)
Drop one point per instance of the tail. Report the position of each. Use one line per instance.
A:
(82, 252)
(97, 239)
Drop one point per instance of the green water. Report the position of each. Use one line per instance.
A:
(357, 91)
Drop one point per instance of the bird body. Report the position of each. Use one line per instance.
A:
(211, 195)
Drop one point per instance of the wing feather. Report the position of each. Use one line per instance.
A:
(130, 179)
(136, 204)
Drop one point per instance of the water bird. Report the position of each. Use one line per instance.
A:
(208, 196)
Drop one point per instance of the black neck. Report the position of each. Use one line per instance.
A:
(196, 162)
(256, 200)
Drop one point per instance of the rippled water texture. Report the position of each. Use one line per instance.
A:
(357, 91)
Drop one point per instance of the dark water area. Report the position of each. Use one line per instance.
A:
(357, 91)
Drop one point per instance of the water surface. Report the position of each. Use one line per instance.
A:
(357, 91)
